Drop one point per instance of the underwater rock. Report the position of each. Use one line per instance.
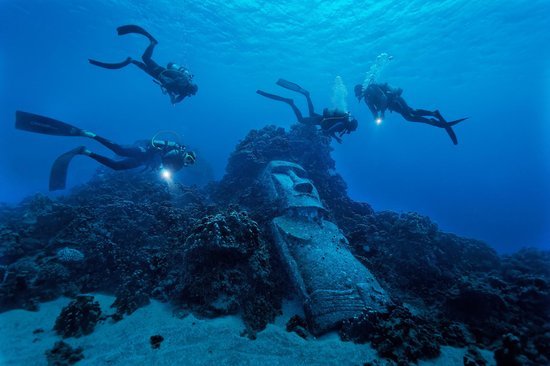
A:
(155, 341)
(297, 325)
(78, 318)
(62, 354)
(473, 358)
(509, 353)
(142, 238)
(17, 289)
(334, 286)
(303, 145)
(131, 295)
(396, 334)
(226, 269)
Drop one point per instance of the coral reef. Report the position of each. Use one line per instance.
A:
(62, 354)
(397, 334)
(226, 269)
(211, 251)
(298, 325)
(155, 341)
(78, 318)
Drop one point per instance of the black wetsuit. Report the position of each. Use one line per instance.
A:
(136, 155)
(174, 81)
(331, 121)
(336, 122)
(380, 97)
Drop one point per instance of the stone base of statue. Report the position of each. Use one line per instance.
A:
(333, 284)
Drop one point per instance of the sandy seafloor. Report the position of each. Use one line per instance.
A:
(187, 341)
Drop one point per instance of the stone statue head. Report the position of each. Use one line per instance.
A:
(289, 188)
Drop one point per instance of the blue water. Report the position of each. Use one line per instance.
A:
(489, 60)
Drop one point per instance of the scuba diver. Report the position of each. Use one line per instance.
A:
(334, 123)
(380, 97)
(167, 156)
(174, 80)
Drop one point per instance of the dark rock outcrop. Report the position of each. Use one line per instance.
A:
(62, 354)
(226, 269)
(78, 318)
(211, 250)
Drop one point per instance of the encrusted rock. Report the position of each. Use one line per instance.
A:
(226, 269)
(62, 354)
(395, 334)
(79, 317)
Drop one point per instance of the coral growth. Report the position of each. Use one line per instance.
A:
(396, 334)
(211, 251)
(226, 269)
(155, 341)
(78, 318)
(62, 354)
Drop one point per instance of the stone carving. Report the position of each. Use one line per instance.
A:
(333, 284)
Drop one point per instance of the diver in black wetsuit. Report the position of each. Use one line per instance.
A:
(382, 97)
(174, 80)
(332, 122)
(153, 154)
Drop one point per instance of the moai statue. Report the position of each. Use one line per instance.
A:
(333, 284)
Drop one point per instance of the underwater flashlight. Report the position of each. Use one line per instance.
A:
(166, 174)
(378, 120)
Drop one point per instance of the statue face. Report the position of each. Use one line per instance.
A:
(289, 186)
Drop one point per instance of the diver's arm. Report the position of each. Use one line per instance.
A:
(332, 132)
(124, 164)
(166, 145)
(383, 103)
(178, 99)
(334, 128)
(172, 98)
(372, 108)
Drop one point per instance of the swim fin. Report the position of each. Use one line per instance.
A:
(450, 131)
(452, 123)
(127, 29)
(275, 97)
(58, 174)
(39, 124)
(112, 66)
(452, 135)
(292, 86)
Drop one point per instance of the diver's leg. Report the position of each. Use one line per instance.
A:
(113, 164)
(148, 54)
(126, 151)
(425, 112)
(140, 64)
(112, 66)
(401, 107)
(288, 101)
(310, 106)
(297, 88)
(416, 118)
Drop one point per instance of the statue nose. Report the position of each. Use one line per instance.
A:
(303, 187)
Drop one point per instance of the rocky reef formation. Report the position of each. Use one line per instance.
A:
(78, 318)
(226, 269)
(213, 251)
(62, 354)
